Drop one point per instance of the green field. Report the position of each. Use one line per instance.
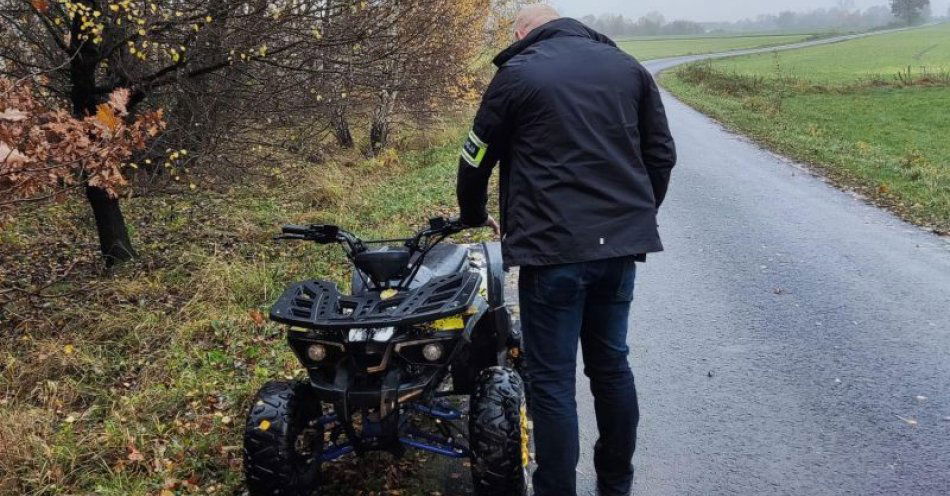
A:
(853, 109)
(878, 57)
(663, 47)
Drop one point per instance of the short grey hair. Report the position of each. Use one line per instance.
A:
(534, 16)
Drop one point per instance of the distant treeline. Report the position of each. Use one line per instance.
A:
(842, 17)
(652, 24)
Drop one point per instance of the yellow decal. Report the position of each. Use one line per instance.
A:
(449, 323)
(525, 434)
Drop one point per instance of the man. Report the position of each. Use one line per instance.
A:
(586, 153)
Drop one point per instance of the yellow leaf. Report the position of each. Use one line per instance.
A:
(69, 349)
(264, 425)
(106, 117)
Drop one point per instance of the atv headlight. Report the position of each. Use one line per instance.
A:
(432, 352)
(317, 352)
(427, 351)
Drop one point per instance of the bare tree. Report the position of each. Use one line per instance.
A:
(910, 11)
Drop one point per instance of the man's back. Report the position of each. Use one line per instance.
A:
(585, 153)
(577, 156)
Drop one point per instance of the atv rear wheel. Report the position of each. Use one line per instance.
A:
(282, 441)
(498, 430)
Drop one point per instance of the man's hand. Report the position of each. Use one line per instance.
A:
(489, 222)
(493, 224)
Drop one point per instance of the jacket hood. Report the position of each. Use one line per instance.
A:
(564, 26)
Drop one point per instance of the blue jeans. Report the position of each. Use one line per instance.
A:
(561, 305)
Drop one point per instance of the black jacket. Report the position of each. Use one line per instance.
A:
(584, 146)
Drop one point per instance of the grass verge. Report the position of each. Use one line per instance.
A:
(882, 133)
(137, 381)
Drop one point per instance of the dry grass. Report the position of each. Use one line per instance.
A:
(136, 381)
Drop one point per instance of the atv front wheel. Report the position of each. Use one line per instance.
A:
(498, 430)
(282, 441)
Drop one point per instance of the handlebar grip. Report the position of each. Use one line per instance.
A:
(297, 230)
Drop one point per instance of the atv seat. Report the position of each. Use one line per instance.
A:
(444, 259)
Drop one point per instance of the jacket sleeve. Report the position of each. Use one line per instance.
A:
(656, 142)
(483, 147)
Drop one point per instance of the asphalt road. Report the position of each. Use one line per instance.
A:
(791, 340)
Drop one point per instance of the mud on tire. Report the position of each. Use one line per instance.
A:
(498, 434)
(277, 436)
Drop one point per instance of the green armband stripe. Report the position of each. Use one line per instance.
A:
(475, 139)
(474, 150)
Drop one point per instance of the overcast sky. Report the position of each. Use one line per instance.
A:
(709, 10)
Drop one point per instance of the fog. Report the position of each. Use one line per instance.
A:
(712, 10)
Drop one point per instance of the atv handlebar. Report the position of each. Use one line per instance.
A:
(325, 234)
(318, 233)
(295, 230)
(418, 245)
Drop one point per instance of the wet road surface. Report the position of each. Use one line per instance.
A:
(791, 340)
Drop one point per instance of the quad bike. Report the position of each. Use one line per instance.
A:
(390, 364)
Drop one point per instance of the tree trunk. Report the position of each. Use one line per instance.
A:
(379, 132)
(114, 239)
(341, 128)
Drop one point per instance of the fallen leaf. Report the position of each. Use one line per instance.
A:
(41, 6)
(69, 349)
(119, 99)
(258, 318)
(13, 115)
(106, 116)
(135, 455)
(11, 155)
(264, 425)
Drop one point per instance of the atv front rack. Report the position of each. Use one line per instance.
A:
(319, 304)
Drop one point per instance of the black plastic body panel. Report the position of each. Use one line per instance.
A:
(319, 304)
(496, 274)
(383, 265)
